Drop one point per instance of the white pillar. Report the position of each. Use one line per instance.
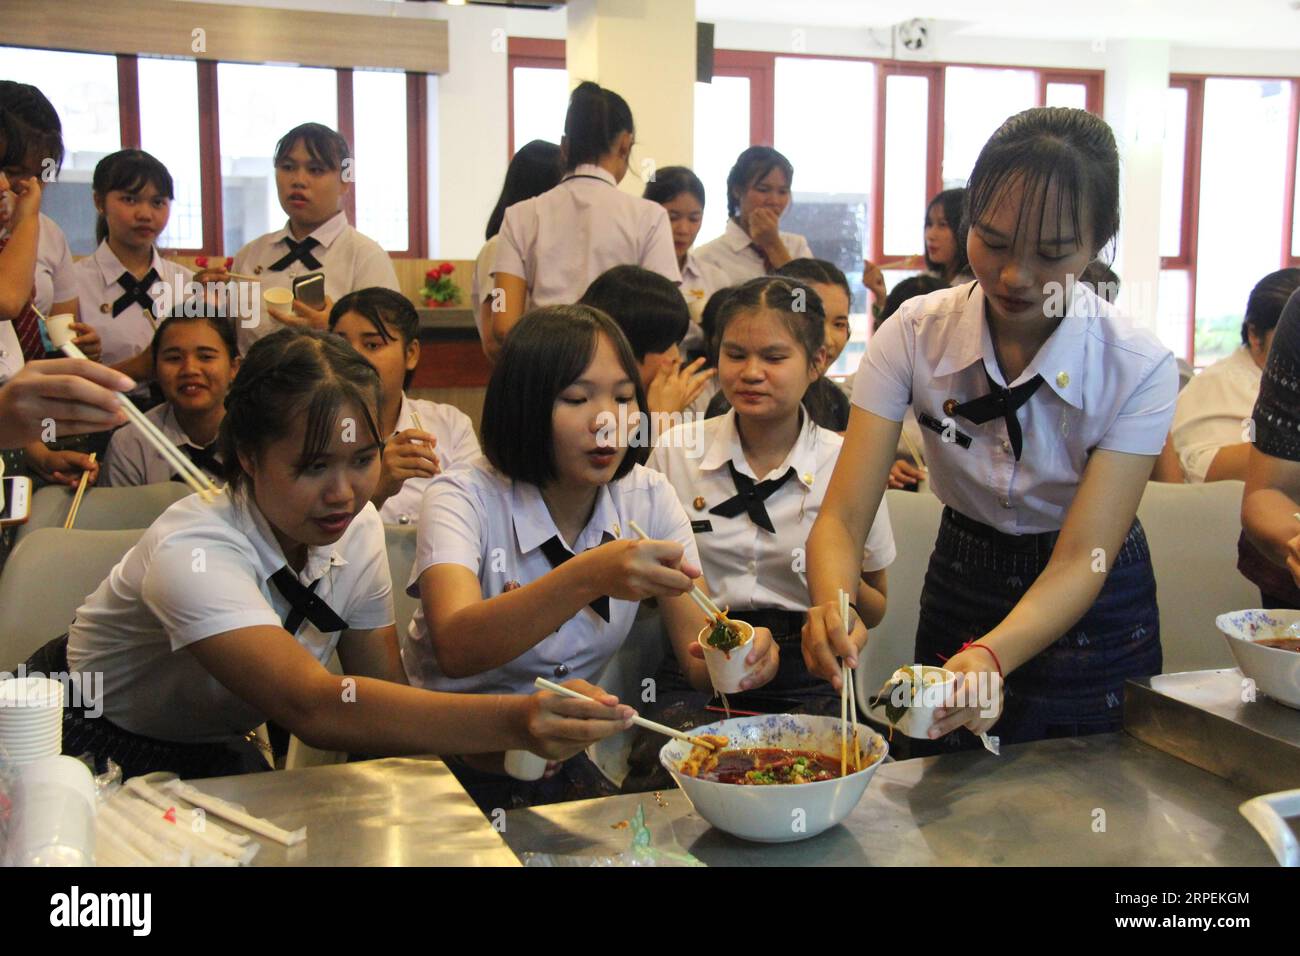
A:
(645, 52)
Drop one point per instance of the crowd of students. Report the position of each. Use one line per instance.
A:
(1041, 419)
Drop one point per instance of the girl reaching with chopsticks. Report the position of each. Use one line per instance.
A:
(527, 563)
(753, 481)
(1042, 410)
(224, 615)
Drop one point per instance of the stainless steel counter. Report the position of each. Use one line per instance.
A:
(1038, 804)
(391, 812)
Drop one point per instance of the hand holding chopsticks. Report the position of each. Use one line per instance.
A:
(702, 600)
(848, 700)
(640, 721)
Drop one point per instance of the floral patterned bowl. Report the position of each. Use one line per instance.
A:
(1275, 671)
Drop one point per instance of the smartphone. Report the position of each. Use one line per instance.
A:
(309, 289)
(15, 500)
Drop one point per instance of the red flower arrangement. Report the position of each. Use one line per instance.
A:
(438, 290)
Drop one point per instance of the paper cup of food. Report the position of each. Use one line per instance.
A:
(525, 765)
(59, 328)
(910, 697)
(726, 645)
(1266, 646)
(278, 298)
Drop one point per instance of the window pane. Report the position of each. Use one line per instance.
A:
(831, 186)
(1173, 312)
(169, 129)
(1073, 95)
(1171, 177)
(721, 134)
(907, 135)
(83, 89)
(541, 98)
(258, 105)
(379, 121)
(1240, 217)
(976, 102)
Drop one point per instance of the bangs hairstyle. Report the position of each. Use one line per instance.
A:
(816, 270)
(224, 328)
(384, 309)
(533, 170)
(751, 166)
(1045, 146)
(595, 118)
(797, 306)
(648, 307)
(128, 171)
(544, 354)
(290, 375)
(323, 144)
(670, 182)
(36, 129)
(1266, 302)
(953, 204)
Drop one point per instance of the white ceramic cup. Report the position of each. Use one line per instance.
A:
(59, 328)
(726, 668)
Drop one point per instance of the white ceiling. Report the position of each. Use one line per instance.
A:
(1261, 24)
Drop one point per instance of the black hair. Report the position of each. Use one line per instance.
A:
(1267, 299)
(1101, 279)
(1052, 145)
(323, 144)
(383, 309)
(816, 270)
(797, 305)
(709, 321)
(595, 118)
(36, 126)
(751, 166)
(953, 202)
(128, 170)
(670, 182)
(543, 355)
(289, 375)
(648, 307)
(909, 288)
(224, 328)
(534, 169)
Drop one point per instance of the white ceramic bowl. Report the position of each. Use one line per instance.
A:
(726, 668)
(1276, 672)
(781, 813)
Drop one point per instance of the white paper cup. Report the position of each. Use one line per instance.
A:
(280, 298)
(59, 328)
(918, 717)
(726, 668)
(525, 765)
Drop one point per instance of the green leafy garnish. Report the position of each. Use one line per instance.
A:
(724, 636)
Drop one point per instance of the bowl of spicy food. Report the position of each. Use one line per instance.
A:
(1266, 645)
(775, 778)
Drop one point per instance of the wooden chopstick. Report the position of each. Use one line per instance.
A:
(916, 452)
(76, 500)
(640, 721)
(848, 695)
(907, 263)
(699, 597)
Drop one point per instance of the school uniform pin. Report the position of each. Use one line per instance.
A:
(1062, 379)
(105, 308)
(511, 586)
(257, 271)
(950, 406)
(808, 478)
(617, 531)
(699, 504)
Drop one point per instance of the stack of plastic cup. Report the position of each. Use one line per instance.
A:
(31, 719)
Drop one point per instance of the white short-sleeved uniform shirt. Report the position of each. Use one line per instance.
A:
(748, 567)
(482, 285)
(131, 331)
(202, 570)
(478, 518)
(349, 260)
(560, 241)
(734, 258)
(54, 282)
(699, 281)
(457, 445)
(1214, 410)
(1106, 384)
(131, 460)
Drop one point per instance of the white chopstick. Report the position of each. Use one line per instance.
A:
(228, 811)
(640, 721)
(695, 594)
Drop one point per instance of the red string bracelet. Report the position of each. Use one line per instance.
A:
(985, 647)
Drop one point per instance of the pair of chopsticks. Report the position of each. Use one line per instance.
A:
(640, 721)
(848, 701)
(705, 603)
(193, 475)
(916, 452)
(81, 491)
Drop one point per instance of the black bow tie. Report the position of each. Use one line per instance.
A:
(208, 459)
(556, 553)
(1001, 403)
(298, 252)
(750, 498)
(305, 604)
(136, 291)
